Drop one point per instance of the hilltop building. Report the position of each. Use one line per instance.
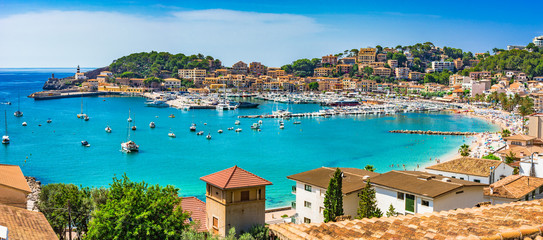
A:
(366, 56)
(538, 41)
(472, 169)
(439, 66)
(196, 75)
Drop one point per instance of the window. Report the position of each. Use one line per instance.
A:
(533, 194)
(215, 225)
(461, 178)
(459, 192)
(245, 196)
(477, 180)
(307, 220)
(400, 195)
(308, 188)
(453, 176)
(307, 204)
(527, 197)
(293, 189)
(259, 194)
(425, 203)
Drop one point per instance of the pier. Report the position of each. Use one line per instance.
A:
(56, 95)
(429, 132)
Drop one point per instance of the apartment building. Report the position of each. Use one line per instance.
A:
(478, 170)
(393, 63)
(439, 66)
(479, 75)
(402, 73)
(413, 76)
(196, 75)
(330, 59)
(257, 68)
(240, 68)
(344, 68)
(322, 71)
(366, 56)
(382, 71)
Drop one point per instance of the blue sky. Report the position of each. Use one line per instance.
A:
(93, 33)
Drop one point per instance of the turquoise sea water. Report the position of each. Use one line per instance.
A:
(53, 153)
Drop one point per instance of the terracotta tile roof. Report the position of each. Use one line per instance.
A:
(513, 187)
(12, 176)
(504, 221)
(24, 224)
(197, 209)
(234, 177)
(353, 178)
(421, 183)
(467, 165)
(521, 151)
(520, 137)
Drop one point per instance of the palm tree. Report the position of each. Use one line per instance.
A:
(510, 157)
(464, 150)
(369, 168)
(506, 133)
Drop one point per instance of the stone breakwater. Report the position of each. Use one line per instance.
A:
(434, 132)
(32, 198)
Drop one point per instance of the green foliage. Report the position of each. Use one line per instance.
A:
(391, 211)
(438, 77)
(491, 157)
(135, 210)
(129, 75)
(506, 133)
(464, 150)
(367, 71)
(259, 232)
(369, 168)
(367, 205)
(302, 67)
(333, 199)
(402, 59)
(510, 157)
(314, 86)
(148, 64)
(530, 63)
(58, 200)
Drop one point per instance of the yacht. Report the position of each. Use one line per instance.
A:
(49, 120)
(255, 126)
(152, 125)
(297, 122)
(18, 113)
(237, 122)
(129, 145)
(134, 128)
(5, 138)
(156, 103)
(230, 128)
(193, 127)
(200, 133)
(208, 137)
(85, 143)
(220, 131)
(171, 134)
(246, 105)
(282, 127)
(222, 106)
(86, 118)
(24, 124)
(238, 129)
(108, 129)
(80, 115)
(129, 118)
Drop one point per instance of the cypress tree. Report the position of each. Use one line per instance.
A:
(367, 206)
(333, 200)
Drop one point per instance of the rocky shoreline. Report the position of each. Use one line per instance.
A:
(32, 198)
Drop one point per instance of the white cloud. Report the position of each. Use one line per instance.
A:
(94, 39)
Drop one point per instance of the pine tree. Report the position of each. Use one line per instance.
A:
(367, 206)
(391, 211)
(333, 200)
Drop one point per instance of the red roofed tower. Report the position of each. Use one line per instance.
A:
(234, 198)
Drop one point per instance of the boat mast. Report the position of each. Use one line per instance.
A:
(6, 120)
(18, 102)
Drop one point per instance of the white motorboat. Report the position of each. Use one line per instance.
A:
(171, 134)
(152, 124)
(49, 120)
(108, 129)
(200, 133)
(134, 128)
(282, 127)
(230, 128)
(255, 126)
(237, 122)
(24, 124)
(238, 129)
(86, 118)
(5, 138)
(297, 122)
(85, 143)
(259, 122)
(193, 127)
(208, 137)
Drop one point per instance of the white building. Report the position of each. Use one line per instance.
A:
(311, 188)
(514, 188)
(411, 192)
(172, 83)
(538, 41)
(472, 169)
(402, 73)
(439, 66)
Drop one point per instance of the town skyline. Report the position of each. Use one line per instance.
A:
(92, 34)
